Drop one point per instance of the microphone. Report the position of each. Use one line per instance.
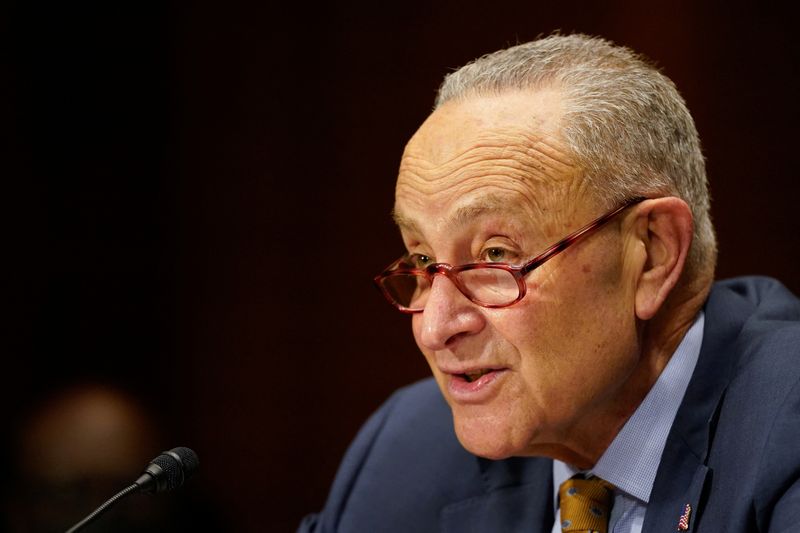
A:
(166, 472)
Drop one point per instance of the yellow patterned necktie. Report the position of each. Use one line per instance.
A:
(585, 505)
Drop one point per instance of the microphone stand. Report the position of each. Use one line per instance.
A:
(105, 507)
(165, 472)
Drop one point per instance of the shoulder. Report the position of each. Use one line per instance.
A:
(767, 345)
(753, 324)
(755, 330)
(756, 322)
(405, 457)
(413, 418)
(763, 297)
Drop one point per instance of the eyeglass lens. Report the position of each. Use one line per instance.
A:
(487, 286)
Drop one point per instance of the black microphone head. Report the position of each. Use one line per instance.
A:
(187, 457)
(169, 470)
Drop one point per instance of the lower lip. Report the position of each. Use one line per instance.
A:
(480, 390)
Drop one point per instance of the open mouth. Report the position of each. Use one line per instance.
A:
(475, 385)
(472, 376)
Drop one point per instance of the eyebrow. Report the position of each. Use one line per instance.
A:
(491, 204)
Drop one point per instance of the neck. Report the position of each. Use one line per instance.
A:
(658, 340)
(661, 336)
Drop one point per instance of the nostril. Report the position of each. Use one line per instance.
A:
(454, 339)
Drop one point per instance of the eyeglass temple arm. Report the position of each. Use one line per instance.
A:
(570, 239)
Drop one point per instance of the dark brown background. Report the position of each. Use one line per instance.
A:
(197, 197)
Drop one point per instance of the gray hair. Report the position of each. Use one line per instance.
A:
(625, 123)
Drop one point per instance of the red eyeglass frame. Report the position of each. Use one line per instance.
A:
(518, 272)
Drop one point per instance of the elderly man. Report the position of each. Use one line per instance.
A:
(559, 276)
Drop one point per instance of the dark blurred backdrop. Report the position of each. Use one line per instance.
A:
(197, 197)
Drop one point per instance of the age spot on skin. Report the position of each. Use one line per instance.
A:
(586, 268)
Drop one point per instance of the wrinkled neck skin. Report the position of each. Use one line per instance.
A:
(659, 338)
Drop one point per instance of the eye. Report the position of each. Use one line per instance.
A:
(495, 255)
(419, 260)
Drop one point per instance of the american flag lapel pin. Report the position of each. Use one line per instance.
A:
(683, 522)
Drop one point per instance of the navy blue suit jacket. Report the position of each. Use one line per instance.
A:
(733, 453)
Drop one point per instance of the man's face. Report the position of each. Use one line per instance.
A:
(488, 179)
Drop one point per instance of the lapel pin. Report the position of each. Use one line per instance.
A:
(683, 522)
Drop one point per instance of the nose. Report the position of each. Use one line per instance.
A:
(448, 316)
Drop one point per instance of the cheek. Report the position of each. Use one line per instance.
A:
(571, 325)
(580, 294)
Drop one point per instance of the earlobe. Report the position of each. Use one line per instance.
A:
(668, 226)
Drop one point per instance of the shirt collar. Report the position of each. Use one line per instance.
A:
(631, 461)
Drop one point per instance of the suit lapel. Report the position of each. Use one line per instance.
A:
(679, 495)
(683, 472)
(518, 496)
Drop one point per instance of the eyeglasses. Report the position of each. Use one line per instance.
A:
(489, 285)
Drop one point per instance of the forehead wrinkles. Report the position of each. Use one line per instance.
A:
(513, 161)
(513, 151)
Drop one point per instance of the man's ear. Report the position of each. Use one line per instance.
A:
(665, 228)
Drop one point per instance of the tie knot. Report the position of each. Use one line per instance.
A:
(585, 505)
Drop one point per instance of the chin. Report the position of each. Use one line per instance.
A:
(488, 441)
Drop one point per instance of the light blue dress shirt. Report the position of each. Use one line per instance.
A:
(631, 461)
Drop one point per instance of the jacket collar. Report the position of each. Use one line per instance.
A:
(683, 470)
